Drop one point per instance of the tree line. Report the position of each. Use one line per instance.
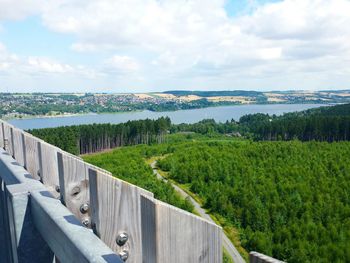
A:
(321, 124)
(82, 139)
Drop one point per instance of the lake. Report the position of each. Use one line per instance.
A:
(220, 114)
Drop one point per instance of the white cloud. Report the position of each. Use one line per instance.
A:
(197, 29)
(12, 64)
(270, 53)
(14, 10)
(48, 66)
(192, 39)
(121, 64)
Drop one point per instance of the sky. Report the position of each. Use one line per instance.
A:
(157, 45)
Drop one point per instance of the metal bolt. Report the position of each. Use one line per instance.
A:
(75, 190)
(124, 255)
(57, 188)
(86, 222)
(122, 238)
(84, 208)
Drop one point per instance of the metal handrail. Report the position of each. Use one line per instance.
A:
(36, 227)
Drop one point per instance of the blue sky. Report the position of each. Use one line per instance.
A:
(150, 45)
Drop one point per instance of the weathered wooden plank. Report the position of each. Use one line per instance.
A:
(8, 138)
(74, 185)
(115, 209)
(12, 143)
(18, 146)
(1, 134)
(148, 228)
(180, 236)
(49, 166)
(31, 155)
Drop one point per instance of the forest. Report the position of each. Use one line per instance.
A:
(289, 200)
(92, 138)
(320, 124)
(281, 181)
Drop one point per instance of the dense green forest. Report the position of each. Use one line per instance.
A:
(320, 124)
(92, 138)
(289, 199)
(208, 126)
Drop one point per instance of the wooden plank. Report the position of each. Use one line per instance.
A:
(49, 166)
(31, 155)
(180, 236)
(12, 144)
(1, 134)
(18, 146)
(148, 228)
(74, 185)
(116, 208)
(8, 138)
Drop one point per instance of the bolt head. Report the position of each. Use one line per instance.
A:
(122, 238)
(124, 255)
(84, 208)
(57, 188)
(86, 222)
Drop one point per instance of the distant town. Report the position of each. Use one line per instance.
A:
(25, 105)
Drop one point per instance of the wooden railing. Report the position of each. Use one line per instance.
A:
(128, 219)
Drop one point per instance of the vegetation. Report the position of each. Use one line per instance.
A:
(287, 198)
(290, 200)
(128, 163)
(321, 124)
(84, 139)
(208, 126)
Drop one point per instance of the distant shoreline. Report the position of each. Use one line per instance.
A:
(29, 117)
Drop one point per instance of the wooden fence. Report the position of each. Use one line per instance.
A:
(128, 219)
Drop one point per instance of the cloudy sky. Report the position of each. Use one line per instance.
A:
(156, 45)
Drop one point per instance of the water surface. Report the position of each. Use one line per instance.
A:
(219, 114)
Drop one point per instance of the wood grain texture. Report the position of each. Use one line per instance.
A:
(116, 208)
(148, 228)
(8, 138)
(31, 155)
(1, 134)
(183, 237)
(49, 166)
(18, 146)
(74, 185)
